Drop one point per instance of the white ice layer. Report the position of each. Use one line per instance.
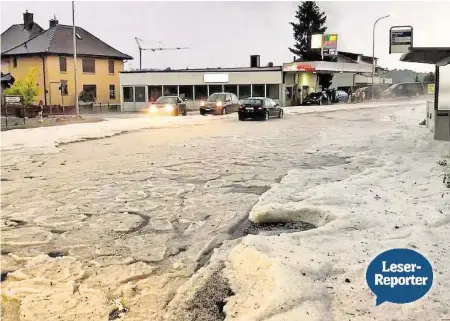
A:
(387, 193)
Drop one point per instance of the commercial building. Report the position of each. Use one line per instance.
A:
(287, 84)
(50, 52)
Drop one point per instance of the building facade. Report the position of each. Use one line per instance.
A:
(27, 46)
(288, 84)
(139, 88)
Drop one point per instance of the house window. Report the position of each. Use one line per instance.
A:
(62, 64)
(111, 66)
(128, 94)
(63, 89)
(14, 62)
(89, 65)
(112, 92)
(90, 89)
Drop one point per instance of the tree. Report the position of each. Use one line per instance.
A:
(309, 21)
(429, 78)
(417, 78)
(26, 87)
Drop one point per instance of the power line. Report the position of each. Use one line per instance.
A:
(142, 48)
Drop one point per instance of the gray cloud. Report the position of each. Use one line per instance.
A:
(227, 33)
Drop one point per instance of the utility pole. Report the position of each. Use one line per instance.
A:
(77, 107)
(141, 48)
(373, 49)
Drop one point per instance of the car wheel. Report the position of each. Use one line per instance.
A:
(281, 114)
(202, 112)
(241, 117)
(184, 112)
(224, 111)
(266, 116)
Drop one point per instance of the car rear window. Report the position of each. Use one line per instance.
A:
(252, 102)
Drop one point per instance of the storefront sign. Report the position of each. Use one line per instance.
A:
(401, 39)
(215, 78)
(430, 89)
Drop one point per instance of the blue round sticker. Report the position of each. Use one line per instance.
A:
(399, 276)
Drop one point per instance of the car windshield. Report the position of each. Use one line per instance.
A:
(166, 100)
(216, 97)
(252, 102)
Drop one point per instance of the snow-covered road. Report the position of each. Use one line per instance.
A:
(133, 216)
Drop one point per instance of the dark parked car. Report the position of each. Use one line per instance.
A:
(259, 108)
(318, 98)
(406, 89)
(341, 96)
(220, 104)
(169, 105)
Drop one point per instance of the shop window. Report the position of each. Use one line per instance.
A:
(88, 65)
(112, 92)
(231, 89)
(186, 92)
(244, 91)
(154, 92)
(170, 91)
(273, 91)
(213, 89)
(128, 94)
(139, 94)
(201, 92)
(62, 64)
(258, 91)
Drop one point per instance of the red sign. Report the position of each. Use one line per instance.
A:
(306, 67)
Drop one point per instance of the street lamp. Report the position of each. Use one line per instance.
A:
(373, 48)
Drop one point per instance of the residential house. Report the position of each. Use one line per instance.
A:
(25, 46)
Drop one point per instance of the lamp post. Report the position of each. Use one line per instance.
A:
(77, 108)
(373, 49)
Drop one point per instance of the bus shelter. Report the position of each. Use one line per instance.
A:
(438, 111)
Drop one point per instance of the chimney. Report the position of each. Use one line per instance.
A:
(53, 22)
(27, 20)
(254, 61)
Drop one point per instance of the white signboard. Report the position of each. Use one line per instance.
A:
(316, 41)
(401, 39)
(215, 78)
(12, 99)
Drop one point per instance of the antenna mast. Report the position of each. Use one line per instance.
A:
(141, 48)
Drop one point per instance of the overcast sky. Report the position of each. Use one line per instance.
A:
(226, 33)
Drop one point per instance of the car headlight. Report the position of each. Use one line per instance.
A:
(219, 104)
(152, 108)
(202, 103)
(168, 107)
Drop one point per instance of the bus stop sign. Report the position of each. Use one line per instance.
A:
(400, 39)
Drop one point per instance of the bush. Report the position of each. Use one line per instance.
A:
(87, 97)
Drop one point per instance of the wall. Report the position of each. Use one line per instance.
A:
(102, 79)
(196, 78)
(24, 65)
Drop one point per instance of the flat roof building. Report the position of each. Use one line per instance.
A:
(287, 84)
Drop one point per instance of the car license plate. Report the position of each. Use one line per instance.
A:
(208, 109)
(249, 108)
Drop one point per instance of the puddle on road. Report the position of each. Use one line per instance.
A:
(249, 227)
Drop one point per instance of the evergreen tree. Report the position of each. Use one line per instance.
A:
(429, 78)
(309, 21)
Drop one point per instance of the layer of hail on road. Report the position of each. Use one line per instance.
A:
(114, 250)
